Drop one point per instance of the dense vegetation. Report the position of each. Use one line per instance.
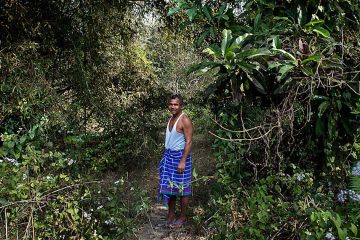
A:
(286, 99)
(83, 87)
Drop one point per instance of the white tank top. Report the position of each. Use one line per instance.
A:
(174, 140)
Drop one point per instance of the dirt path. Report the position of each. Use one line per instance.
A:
(155, 228)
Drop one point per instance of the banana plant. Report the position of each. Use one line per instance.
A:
(240, 61)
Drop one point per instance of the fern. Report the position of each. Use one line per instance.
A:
(355, 184)
(355, 173)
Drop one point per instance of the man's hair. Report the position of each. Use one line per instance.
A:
(176, 96)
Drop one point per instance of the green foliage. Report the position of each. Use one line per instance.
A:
(327, 222)
(283, 97)
(354, 152)
(282, 206)
(201, 117)
(40, 198)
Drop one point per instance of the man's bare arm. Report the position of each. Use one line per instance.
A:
(188, 133)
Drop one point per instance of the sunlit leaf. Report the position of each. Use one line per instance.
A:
(322, 31)
(222, 8)
(252, 53)
(191, 13)
(313, 23)
(195, 175)
(226, 41)
(239, 40)
(276, 42)
(315, 58)
(173, 10)
(213, 50)
(204, 66)
(284, 70)
(229, 55)
(283, 52)
(282, 18)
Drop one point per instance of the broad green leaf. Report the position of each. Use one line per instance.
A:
(354, 229)
(272, 65)
(339, 105)
(226, 41)
(319, 127)
(252, 53)
(315, 58)
(257, 21)
(322, 108)
(173, 10)
(223, 16)
(314, 23)
(191, 13)
(3, 201)
(284, 70)
(308, 71)
(346, 125)
(31, 134)
(208, 12)
(202, 37)
(240, 39)
(222, 8)
(229, 55)
(300, 16)
(322, 31)
(312, 217)
(282, 18)
(259, 53)
(23, 139)
(246, 67)
(286, 54)
(184, 24)
(212, 31)
(342, 233)
(195, 175)
(276, 42)
(232, 48)
(203, 66)
(257, 84)
(213, 50)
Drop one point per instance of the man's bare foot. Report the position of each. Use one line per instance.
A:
(180, 222)
(170, 220)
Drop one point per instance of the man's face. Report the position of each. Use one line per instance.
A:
(174, 106)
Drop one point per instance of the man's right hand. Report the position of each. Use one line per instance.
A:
(181, 167)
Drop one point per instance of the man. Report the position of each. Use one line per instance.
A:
(175, 167)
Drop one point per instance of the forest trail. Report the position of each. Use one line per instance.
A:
(155, 228)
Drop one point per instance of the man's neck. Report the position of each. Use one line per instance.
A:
(176, 115)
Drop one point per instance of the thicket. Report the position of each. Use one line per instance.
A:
(81, 93)
(286, 99)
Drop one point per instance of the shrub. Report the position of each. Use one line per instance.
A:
(42, 198)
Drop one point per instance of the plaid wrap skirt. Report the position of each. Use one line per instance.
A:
(172, 182)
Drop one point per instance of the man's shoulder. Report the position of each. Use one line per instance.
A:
(186, 120)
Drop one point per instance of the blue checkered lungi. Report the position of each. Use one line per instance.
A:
(172, 182)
